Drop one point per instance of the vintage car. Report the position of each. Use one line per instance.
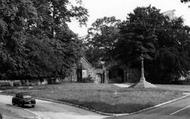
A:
(23, 100)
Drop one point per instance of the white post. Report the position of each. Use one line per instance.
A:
(142, 70)
(105, 74)
(142, 79)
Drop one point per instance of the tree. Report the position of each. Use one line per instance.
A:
(36, 40)
(137, 36)
(101, 38)
(148, 33)
(13, 35)
(53, 15)
(172, 58)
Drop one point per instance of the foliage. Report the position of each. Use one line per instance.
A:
(160, 40)
(35, 40)
(138, 35)
(185, 0)
(163, 42)
(101, 38)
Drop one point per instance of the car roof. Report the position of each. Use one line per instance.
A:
(22, 93)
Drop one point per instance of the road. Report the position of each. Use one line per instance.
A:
(12, 112)
(176, 110)
(46, 110)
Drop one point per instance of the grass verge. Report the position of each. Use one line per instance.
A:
(106, 98)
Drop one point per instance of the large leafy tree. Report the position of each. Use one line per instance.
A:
(137, 35)
(52, 24)
(101, 38)
(35, 38)
(53, 15)
(13, 36)
(161, 41)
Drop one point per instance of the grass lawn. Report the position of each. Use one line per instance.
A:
(102, 97)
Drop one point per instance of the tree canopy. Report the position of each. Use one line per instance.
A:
(148, 33)
(35, 40)
(159, 39)
(101, 38)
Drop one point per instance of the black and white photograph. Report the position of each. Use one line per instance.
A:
(94, 59)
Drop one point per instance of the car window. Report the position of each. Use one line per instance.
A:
(19, 95)
(27, 96)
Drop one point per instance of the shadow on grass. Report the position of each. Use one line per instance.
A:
(109, 108)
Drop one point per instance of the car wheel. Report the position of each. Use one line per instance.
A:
(33, 106)
(1, 117)
(22, 105)
(19, 104)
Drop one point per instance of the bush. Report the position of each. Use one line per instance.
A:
(88, 80)
(16, 83)
(5, 84)
(133, 76)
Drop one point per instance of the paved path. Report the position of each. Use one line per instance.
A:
(176, 110)
(50, 110)
(185, 88)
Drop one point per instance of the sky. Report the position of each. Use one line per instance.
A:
(121, 8)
